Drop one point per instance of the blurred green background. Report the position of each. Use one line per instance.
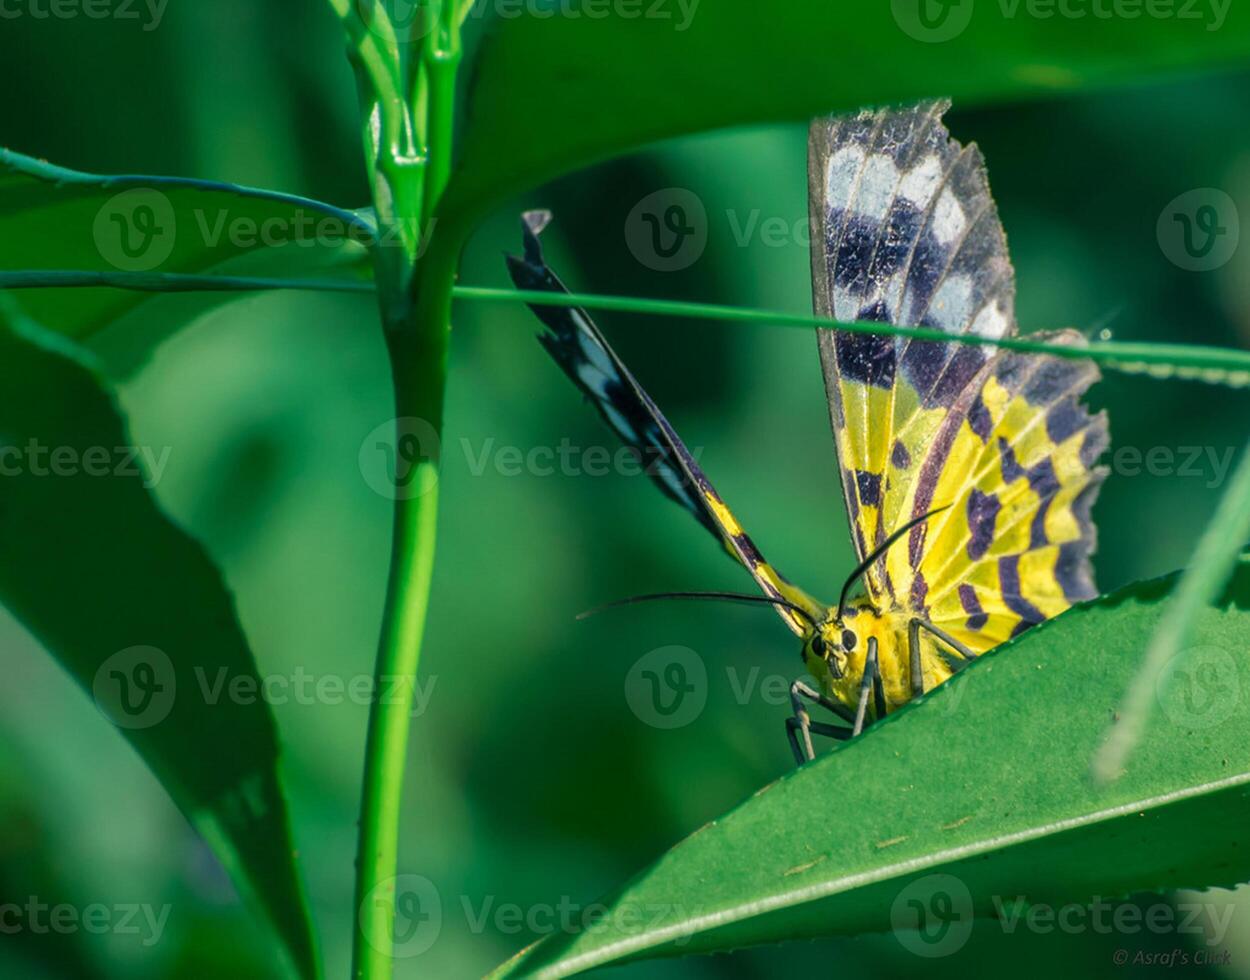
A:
(531, 781)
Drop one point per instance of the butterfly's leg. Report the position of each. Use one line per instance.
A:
(950, 641)
(870, 683)
(801, 722)
(878, 685)
(913, 647)
(801, 689)
(806, 752)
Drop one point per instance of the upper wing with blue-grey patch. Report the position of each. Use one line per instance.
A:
(581, 350)
(905, 231)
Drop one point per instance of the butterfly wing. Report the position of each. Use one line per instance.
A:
(582, 352)
(909, 234)
(1019, 465)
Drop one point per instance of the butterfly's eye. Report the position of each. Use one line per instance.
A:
(818, 645)
(849, 639)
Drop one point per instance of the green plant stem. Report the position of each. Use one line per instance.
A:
(172, 282)
(377, 71)
(419, 372)
(442, 60)
(1210, 365)
(414, 296)
(418, 365)
(1213, 365)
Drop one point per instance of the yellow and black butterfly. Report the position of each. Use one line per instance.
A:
(978, 462)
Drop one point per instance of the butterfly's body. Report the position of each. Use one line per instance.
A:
(846, 645)
(968, 471)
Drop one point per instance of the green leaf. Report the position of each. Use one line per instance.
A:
(976, 794)
(52, 219)
(138, 615)
(556, 88)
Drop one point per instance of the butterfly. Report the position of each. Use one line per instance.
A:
(968, 472)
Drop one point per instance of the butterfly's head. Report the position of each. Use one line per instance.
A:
(827, 649)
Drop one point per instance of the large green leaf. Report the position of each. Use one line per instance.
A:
(138, 615)
(53, 218)
(981, 791)
(558, 85)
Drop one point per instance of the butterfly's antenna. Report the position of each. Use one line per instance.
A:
(880, 550)
(728, 596)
